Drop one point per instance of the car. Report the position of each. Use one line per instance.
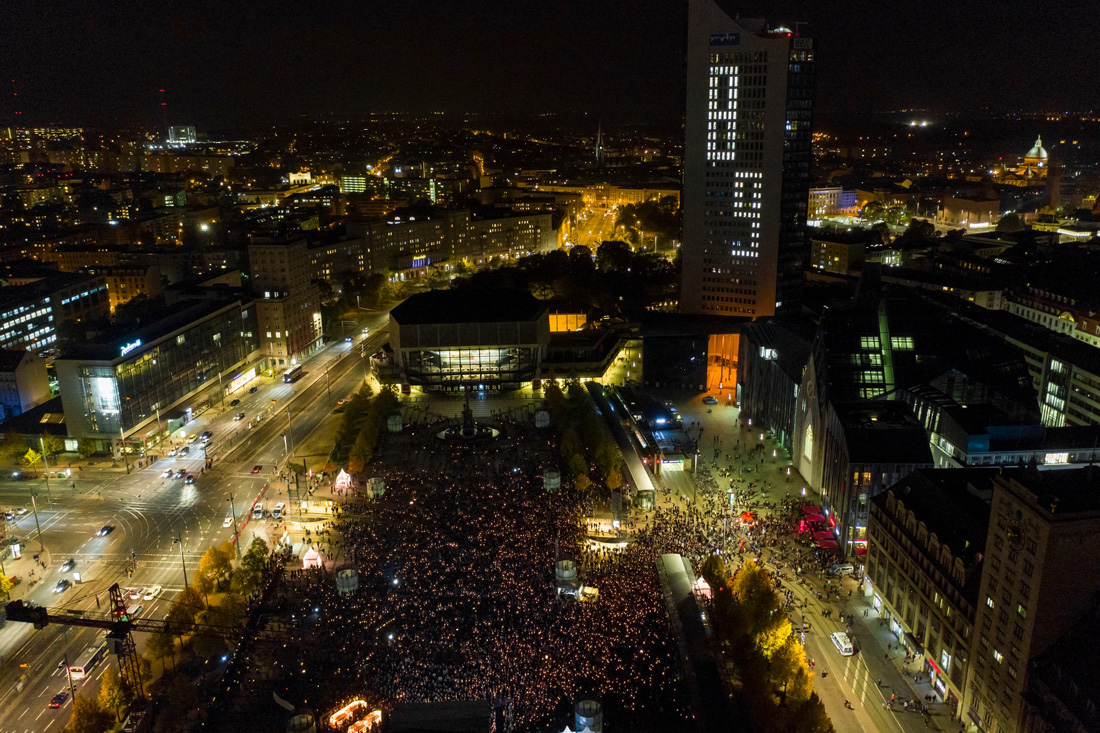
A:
(62, 586)
(841, 567)
(710, 400)
(105, 530)
(174, 452)
(207, 435)
(192, 438)
(340, 402)
(59, 699)
(347, 339)
(185, 450)
(10, 516)
(234, 403)
(67, 565)
(257, 468)
(151, 592)
(239, 416)
(228, 521)
(167, 473)
(190, 479)
(366, 331)
(254, 390)
(134, 593)
(21, 511)
(180, 473)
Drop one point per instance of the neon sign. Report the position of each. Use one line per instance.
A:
(130, 346)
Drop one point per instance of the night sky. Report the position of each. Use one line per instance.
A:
(228, 63)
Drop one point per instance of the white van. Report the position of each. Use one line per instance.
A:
(258, 510)
(278, 511)
(841, 568)
(134, 611)
(842, 643)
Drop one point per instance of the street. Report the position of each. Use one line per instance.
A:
(149, 512)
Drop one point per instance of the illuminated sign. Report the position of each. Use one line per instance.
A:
(131, 346)
(725, 39)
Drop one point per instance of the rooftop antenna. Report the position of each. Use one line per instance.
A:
(164, 112)
(599, 143)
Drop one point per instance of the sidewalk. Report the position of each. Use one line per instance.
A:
(22, 568)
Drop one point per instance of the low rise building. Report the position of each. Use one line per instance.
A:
(24, 382)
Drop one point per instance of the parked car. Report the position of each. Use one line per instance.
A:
(710, 400)
(840, 568)
(254, 390)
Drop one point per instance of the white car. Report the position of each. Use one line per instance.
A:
(132, 593)
(151, 593)
(167, 473)
(228, 521)
(710, 400)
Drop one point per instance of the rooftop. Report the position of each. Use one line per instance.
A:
(1059, 493)
(109, 346)
(468, 305)
(883, 432)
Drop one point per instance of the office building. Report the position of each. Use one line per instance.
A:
(137, 387)
(288, 303)
(926, 541)
(181, 135)
(126, 282)
(1038, 584)
(31, 313)
(747, 154)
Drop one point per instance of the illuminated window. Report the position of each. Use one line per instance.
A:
(868, 342)
(903, 343)
(998, 656)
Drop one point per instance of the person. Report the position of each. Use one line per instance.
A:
(848, 705)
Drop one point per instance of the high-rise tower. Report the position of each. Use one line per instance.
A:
(747, 154)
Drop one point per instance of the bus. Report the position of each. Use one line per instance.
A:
(292, 374)
(88, 660)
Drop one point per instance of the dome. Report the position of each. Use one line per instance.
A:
(1037, 152)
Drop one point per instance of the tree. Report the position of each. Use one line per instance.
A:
(582, 482)
(53, 444)
(230, 612)
(253, 561)
(614, 479)
(161, 646)
(203, 583)
(785, 663)
(191, 598)
(5, 585)
(114, 693)
(180, 620)
(363, 449)
(215, 562)
(88, 716)
(207, 645)
(1010, 222)
(86, 447)
(31, 459)
(13, 446)
(771, 637)
(811, 717)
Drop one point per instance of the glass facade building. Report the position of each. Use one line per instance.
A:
(471, 368)
(132, 389)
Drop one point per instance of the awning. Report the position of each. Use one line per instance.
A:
(827, 544)
(821, 536)
(812, 510)
(861, 550)
(748, 516)
(814, 518)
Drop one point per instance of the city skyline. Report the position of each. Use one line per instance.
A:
(618, 62)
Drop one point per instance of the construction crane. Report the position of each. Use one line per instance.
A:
(119, 627)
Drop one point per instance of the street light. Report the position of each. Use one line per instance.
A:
(46, 466)
(183, 561)
(233, 513)
(34, 506)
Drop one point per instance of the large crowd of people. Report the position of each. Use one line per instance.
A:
(457, 597)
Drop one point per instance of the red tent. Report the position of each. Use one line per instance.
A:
(820, 536)
(814, 518)
(827, 544)
(812, 510)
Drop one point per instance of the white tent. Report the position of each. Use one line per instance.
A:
(312, 559)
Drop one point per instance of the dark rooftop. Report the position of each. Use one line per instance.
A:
(883, 432)
(466, 305)
(108, 346)
(1061, 492)
(953, 503)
